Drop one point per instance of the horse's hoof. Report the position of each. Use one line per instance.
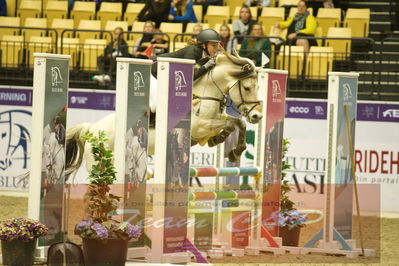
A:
(212, 142)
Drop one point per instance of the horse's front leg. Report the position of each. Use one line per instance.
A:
(228, 128)
(236, 152)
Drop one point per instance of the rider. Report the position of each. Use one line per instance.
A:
(203, 52)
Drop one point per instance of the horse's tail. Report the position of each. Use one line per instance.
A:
(75, 147)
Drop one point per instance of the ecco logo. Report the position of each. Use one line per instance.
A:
(299, 109)
(79, 99)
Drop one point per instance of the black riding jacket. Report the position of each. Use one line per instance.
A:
(190, 52)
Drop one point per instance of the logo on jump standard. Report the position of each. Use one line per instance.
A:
(180, 82)
(276, 91)
(56, 79)
(138, 84)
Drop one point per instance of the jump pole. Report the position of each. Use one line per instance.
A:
(132, 109)
(50, 97)
(175, 81)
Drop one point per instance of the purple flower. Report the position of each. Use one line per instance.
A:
(133, 231)
(84, 225)
(22, 228)
(101, 230)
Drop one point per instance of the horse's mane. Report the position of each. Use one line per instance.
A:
(247, 66)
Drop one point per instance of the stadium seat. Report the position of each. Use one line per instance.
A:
(319, 62)
(11, 50)
(132, 10)
(69, 46)
(9, 21)
(36, 23)
(111, 25)
(171, 29)
(288, 2)
(269, 17)
(29, 9)
(328, 17)
(198, 12)
(233, 4)
(236, 13)
(39, 45)
(342, 48)
(138, 26)
(358, 20)
(291, 60)
(217, 14)
(62, 24)
(189, 29)
(92, 48)
(88, 25)
(55, 9)
(109, 11)
(83, 11)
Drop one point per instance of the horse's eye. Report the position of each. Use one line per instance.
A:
(247, 89)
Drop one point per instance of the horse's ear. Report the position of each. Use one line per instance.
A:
(247, 68)
(258, 69)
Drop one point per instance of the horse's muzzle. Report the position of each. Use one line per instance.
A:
(254, 116)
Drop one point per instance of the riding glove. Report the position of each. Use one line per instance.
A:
(211, 63)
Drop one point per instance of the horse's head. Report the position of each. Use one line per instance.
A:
(243, 85)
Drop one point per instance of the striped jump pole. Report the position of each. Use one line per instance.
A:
(222, 195)
(225, 171)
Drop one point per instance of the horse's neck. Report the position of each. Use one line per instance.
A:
(214, 83)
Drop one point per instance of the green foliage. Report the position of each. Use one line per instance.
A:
(101, 203)
(285, 202)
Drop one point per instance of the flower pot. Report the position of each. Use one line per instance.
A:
(290, 237)
(113, 252)
(17, 252)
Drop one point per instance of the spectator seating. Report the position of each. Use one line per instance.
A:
(92, 48)
(319, 62)
(11, 50)
(291, 59)
(38, 44)
(198, 12)
(179, 45)
(83, 11)
(287, 2)
(35, 23)
(270, 16)
(88, 25)
(328, 17)
(171, 29)
(137, 26)
(217, 14)
(358, 20)
(132, 10)
(9, 21)
(109, 11)
(341, 48)
(254, 11)
(55, 9)
(70, 46)
(233, 4)
(29, 8)
(62, 24)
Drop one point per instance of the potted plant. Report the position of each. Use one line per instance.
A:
(289, 219)
(104, 239)
(19, 239)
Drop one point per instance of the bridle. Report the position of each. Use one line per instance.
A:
(226, 101)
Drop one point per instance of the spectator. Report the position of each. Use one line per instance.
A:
(116, 48)
(227, 41)
(196, 30)
(259, 4)
(182, 11)
(303, 24)
(253, 48)
(316, 4)
(145, 41)
(242, 25)
(3, 8)
(206, 3)
(203, 52)
(155, 10)
(159, 44)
